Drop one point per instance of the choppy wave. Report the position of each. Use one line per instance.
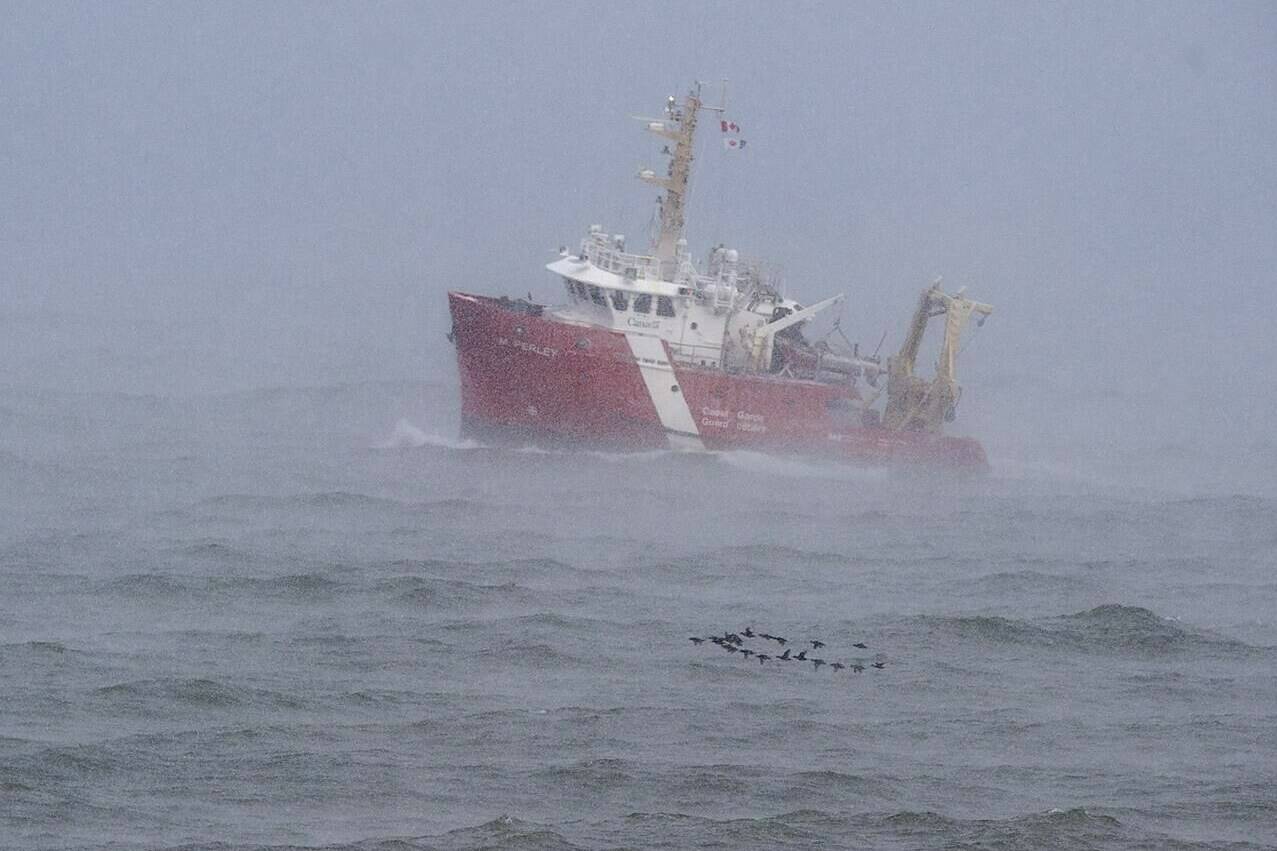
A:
(450, 594)
(161, 694)
(1056, 829)
(809, 785)
(1021, 582)
(504, 832)
(1137, 628)
(205, 636)
(214, 550)
(289, 585)
(591, 774)
(43, 648)
(150, 585)
(531, 655)
(459, 507)
(802, 828)
(1108, 628)
(143, 585)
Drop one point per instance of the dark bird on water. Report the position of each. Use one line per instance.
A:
(749, 632)
(762, 657)
(730, 648)
(746, 652)
(816, 663)
(784, 658)
(837, 666)
(816, 645)
(857, 668)
(733, 638)
(860, 645)
(880, 665)
(801, 657)
(696, 640)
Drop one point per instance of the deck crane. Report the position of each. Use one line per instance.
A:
(914, 403)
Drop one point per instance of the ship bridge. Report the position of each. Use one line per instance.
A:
(640, 294)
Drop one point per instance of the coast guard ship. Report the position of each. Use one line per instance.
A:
(654, 350)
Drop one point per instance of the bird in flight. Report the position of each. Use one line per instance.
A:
(837, 666)
(860, 645)
(816, 663)
(749, 632)
(802, 657)
(696, 640)
(785, 657)
(880, 665)
(762, 657)
(816, 645)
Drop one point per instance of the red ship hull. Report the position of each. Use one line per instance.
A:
(540, 380)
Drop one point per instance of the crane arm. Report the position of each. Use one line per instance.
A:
(913, 402)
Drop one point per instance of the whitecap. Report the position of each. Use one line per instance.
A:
(408, 436)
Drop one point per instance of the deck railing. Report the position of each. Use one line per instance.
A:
(602, 252)
(700, 354)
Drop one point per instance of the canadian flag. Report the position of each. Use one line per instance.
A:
(729, 126)
(734, 144)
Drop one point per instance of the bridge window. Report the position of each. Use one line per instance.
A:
(642, 303)
(618, 299)
(664, 306)
(567, 285)
(596, 296)
(580, 291)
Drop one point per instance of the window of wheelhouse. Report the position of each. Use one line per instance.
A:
(642, 303)
(567, 285)
(664, 305)
(619, 301)
(580, 290)
(596, 296)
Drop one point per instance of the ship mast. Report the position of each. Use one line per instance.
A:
(679, 126)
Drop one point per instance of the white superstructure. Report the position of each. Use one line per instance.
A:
(722, 314)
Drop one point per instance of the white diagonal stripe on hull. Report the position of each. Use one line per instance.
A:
(658, 375)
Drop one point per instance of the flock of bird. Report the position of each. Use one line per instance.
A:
(735, 643)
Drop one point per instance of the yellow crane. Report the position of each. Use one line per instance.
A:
(915, 403)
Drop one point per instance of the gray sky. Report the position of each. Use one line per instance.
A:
(211, 196)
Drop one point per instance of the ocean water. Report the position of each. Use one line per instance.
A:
(314, 618)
